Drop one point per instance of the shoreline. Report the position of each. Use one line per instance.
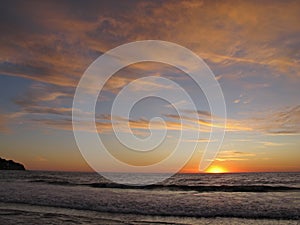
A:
(13, 213)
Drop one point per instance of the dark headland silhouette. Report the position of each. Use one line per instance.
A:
(10, 165)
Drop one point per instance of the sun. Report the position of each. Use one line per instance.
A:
(216, 169)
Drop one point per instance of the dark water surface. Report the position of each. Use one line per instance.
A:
(86, 198)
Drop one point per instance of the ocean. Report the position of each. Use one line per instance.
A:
(43, 197)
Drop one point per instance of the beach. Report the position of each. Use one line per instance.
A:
(32, 197)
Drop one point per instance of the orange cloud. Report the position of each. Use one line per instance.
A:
(225, 33)
(234, 156)
(57, 48)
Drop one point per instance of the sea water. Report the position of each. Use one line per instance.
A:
(41, 197)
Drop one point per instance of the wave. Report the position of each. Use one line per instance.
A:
(54, 182)
(173, 187)
(57, 207)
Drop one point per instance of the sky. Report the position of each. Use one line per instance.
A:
(252, 48)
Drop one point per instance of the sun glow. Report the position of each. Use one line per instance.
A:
(216, 169)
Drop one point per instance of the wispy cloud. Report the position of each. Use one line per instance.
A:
(58, 47)
(234, 156)
(272, 144)
(282, 122)
(44, 99)
(204, 119)
(248, 33)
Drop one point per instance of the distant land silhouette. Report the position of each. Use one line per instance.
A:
(10, 165)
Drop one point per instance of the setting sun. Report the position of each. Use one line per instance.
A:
(216, 169)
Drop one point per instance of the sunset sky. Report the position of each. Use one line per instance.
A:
(252, 47)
